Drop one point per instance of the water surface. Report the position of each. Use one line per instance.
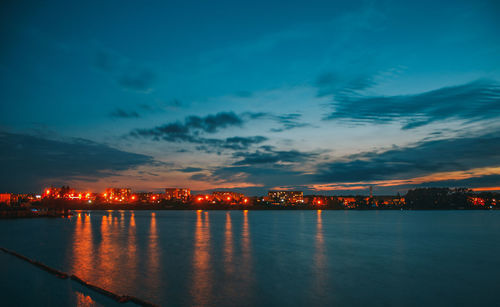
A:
(267, 258)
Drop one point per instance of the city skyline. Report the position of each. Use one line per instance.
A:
(325, 98)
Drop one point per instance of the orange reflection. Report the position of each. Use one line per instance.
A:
(319, 256)
(106, 256)
(153, 253)
(132, 246)
(228, 246)
(104, 261)
(245, 244)
(82, 264)
(202, 279)
(84, 300)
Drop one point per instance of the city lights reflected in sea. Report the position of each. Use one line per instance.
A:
(201, 290)
(293, 258)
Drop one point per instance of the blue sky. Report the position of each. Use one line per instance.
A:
(323, 96)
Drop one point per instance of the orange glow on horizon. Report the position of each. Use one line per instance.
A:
(487, 189)
(436, 177)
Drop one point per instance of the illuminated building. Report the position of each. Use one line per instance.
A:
(117, 194)
(177, 194)
(5, 198)
(292, 197)
(227, 196)
(146, 197)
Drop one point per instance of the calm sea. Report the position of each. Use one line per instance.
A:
(258, 258)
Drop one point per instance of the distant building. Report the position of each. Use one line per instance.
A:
(117, 194)
(348, 201)
(5, 198)
(227, 196)
(292, 197)
(177, 194)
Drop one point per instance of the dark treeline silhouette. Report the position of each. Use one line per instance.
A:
(446, 198)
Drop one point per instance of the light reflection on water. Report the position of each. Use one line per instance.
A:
(319, 257)
(228, 246)
(201, 282)
(248, 258)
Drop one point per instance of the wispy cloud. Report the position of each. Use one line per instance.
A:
(473, 101)
(271, 156)
(189, 130)
(422, 158)
(195, 128)
(128, 75)
(29, 162)
(120, 113)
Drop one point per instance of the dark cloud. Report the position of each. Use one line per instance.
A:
(265, 168)
(333, 84)
(288, 122)
(270, 156)
(473, 101)
(474, 182)
(424, 158)
(239, 142)
(268, 175)
(268, 168)
(189, 130)
(193, 128)
(30, 162)
(190, 170)
(212, 123)
(119, 113)
(137, 80)
(210, 145)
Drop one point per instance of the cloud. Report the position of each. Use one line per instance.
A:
(423, 158)
(211, 145)
(265, 176)
(270, 156)
(193, 129)
(478, 100)
(472, 161)
(190, 169)
(192, 126)
(213, 123)
(288, 122)
(29, 163)
(261, 170)
(125, 73)
(141, 80)
(334, 84)
(119, 113)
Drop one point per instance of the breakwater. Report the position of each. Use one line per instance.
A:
(63, 275)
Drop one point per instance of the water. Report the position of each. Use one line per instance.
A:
(261, 258)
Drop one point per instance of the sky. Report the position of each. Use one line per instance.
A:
(326, 97)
